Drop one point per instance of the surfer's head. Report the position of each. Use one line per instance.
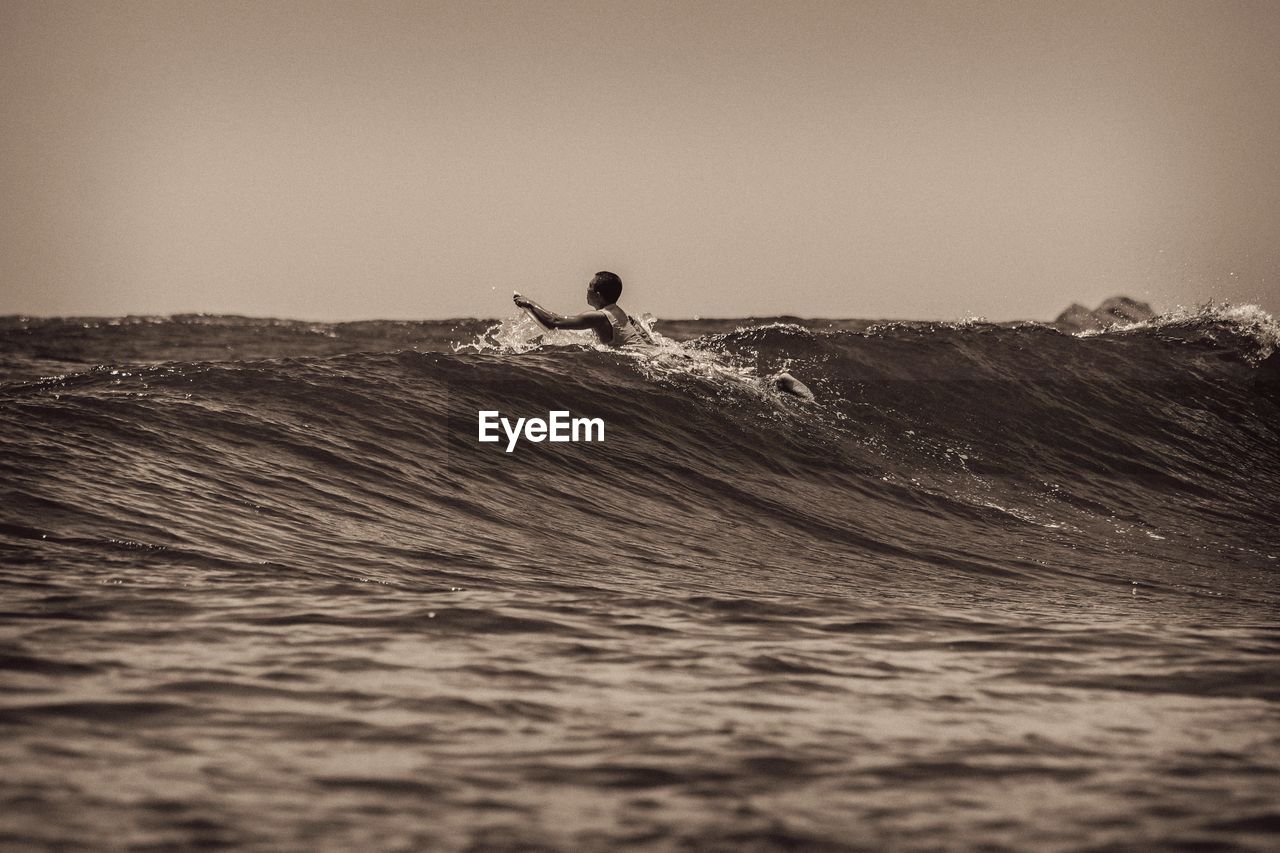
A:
(605, 289)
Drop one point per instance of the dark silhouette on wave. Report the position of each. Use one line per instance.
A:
(1117, 309)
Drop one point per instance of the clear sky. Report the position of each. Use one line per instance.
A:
(843, 159)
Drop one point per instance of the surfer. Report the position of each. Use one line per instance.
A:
(615, 328)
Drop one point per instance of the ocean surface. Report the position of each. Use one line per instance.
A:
(1000, 587)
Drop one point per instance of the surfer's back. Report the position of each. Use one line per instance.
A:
(626, 331)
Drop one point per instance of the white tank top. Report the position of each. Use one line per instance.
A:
(625, 330)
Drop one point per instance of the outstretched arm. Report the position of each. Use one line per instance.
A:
(552, 320)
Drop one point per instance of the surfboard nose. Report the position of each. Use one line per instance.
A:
(788, 384)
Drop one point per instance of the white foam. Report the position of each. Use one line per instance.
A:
(664, 359)
(1250, 320)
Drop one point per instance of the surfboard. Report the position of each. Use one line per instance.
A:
(788, 384)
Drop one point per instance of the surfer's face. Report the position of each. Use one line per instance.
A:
(593, 297)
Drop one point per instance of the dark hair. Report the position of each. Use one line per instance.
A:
(609, 286)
